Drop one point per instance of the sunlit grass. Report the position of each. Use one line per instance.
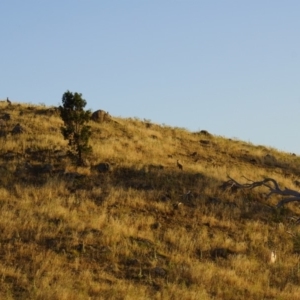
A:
(145, 229)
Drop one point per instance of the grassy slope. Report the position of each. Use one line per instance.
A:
(118, 235)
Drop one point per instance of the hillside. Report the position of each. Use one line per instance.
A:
(137, 226)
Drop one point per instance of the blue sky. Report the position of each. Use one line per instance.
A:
(229, 67)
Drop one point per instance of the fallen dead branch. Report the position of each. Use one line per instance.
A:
(270, 183)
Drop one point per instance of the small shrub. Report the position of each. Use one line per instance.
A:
(75, 129)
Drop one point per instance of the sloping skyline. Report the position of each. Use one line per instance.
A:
(231, 68)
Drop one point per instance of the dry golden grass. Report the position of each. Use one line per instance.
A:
(78, 234)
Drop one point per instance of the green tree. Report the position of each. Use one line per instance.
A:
(75, 127)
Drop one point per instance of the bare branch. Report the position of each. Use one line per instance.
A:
(287, 200)
(271, 184)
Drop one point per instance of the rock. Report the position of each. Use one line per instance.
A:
(100, 116)
(221, 253)
(205, 132)
(155, 225)
(102, 167)
(158, 271)
(132, 262)
(270, 160)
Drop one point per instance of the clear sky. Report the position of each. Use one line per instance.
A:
(229, 67)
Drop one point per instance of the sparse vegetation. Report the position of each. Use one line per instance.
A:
(143, 229)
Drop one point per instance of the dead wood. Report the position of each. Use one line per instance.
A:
(270, 183)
